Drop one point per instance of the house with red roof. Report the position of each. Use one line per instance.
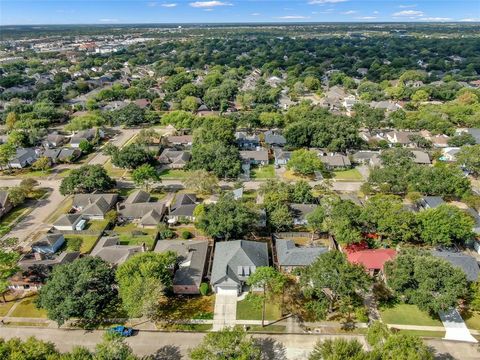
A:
(372, 259)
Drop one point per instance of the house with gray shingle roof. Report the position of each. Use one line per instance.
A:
(69, 222)
(191, 261)
(49, 244)
(110, 250)
(468, 264)
(300, 212)
(5, 203)
(174, 159)
(430, 202)
(138, 196)
(255, 157)
(290, 256)
(274, 138)
(183, 208)
(336, 161)
(23, 158)
(94, 206)
(234, 261)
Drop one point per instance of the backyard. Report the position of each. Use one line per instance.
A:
(263, 172)
(82, 243)
(174, 174)
(131, 234)
(347, 175)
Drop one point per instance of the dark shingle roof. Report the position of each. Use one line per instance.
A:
(468, 264)
(288, 254)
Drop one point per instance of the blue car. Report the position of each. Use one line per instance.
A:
(121, 330)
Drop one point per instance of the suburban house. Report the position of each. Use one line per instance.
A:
(62, 155)
(87, 135)
(281, 156)
(49, 244)
(400, 137)
(23, 157)
(70, 222)
(110, 250)
(191, 261)
(54, 140)
(174, 159)
(274, 138)
(336, 161)
(429, 202)
(365, 157)
(468, 264)
(180, 140)
(449, 154)
(421, 157)
(246, 141)
(183, 208)
(94, 206)
(255, 157)
(300, 212)
(373, 260)
(233, 263)
(137, 207)
(472, 131)
(35, 268)
(290, 256)
(5, 203)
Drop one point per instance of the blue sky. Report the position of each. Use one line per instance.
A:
(221, 11)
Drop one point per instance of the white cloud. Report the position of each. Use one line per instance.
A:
(255, 14)
(469, 20)
(366, 17)
(376, 12)
(108, 20)
(408, 13)
(290, 17)
(434, 19)
(317, 2)
(349, 12)
(169, 5)
(208, 4)
(407, 6)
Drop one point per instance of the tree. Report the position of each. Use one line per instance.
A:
(130, 115)
(227, 219)
(7, 152)
(336, 349)
(420, 96)
(331, 280)
(28, 185)
(83, 289)
(130, 156)
(8, 268)
(43, 163)
(30, 349)
(16, 195)
(271, 280)
(461, 140)
(281, 218)
(301, 192)
(202, 182)
(114, 348)
(85, 146)
(445, 225)
(469, 157)
(86, 179)
(429, 282)
(316, 219)
(304, 162)
(226, 344)
(11, 120)
(190, 103)
(406, 347)
(145, 176)
(139, 276)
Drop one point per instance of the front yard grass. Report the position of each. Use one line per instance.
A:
(186, 308)
(63, 208)
(128, 235)
(174, 174)
(268, 328)
(290, 175)
(114, 171)
(472, 320)
(247, 310)
(82, 243)
(263, 172)
(27, 309)
(423, 333)
(406, 314)
(8, 220)
(347, 175)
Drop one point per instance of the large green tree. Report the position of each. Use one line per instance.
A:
(145, 176)
(304, 162)
(86, 179)
(130, 156)
(8, 268)
(142, 278)
(431, 283)
(227, 219)
(83, 289)
(469, 157)
(336, 349)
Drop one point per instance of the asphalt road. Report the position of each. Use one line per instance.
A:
(175, 345)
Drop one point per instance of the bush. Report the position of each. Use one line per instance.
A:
(361, 314)
(166, 234)
(186, 235)
(74, 244)
(204, 289)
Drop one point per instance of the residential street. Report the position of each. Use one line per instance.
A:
(175, 345)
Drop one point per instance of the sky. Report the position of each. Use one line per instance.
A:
(27, 12)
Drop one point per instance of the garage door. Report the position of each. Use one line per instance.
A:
(226, 291)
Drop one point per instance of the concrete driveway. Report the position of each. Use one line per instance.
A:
(225, 313)
(455, 327)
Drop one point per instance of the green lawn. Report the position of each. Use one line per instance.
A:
(246, 310)
(28, 309)
(114, 171)
(186, 308)
(421, 333)
(7, 221)
(263, 172)
(82, 243)
(347, 175)
(405, 314)
(127, 236)
(5, 307)
(63, 208)
(96, 225)
(174, 174)
(472, 320)
(268, 328)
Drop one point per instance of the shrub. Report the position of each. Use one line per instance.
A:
(186, 235)
(74, 244)
(204, 289)
(361, 314)
(166, 234)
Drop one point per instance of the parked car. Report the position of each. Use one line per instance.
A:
(121, 330)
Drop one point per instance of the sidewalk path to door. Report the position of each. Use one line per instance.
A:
(455, 327)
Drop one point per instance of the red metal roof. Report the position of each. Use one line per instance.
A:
(372, 259)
